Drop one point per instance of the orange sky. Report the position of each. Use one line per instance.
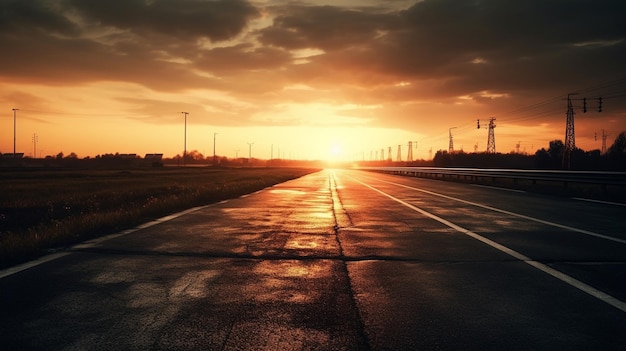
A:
(307, 79)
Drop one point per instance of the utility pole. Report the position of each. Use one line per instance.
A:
(451, 144)
(250, 151)
(35, 140)
(14, 129)
(409, 156)
(214, 157)
(185, 140)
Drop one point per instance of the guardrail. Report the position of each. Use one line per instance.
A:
(476, 175)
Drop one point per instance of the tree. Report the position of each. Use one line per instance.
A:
(617, 152)
(619, 146)
(556, 149)
(195, 156)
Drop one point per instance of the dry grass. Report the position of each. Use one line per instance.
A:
(42, 210)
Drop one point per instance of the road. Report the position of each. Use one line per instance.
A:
(337, 260)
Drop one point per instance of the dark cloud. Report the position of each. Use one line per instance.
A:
(242, 57)
(58, 61)
(527, 39)
(472, 45)
(137, 41)
(324, 27)
(17, 16)
(184, 19)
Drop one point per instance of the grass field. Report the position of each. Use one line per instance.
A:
(42, 210)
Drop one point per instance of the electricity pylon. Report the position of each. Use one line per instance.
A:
(409, 155)
(605, 135)
(570, 137)
(491, 138)
(451, 144)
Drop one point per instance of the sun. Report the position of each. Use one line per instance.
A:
(334, 152)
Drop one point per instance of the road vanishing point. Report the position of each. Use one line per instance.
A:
(337, 260)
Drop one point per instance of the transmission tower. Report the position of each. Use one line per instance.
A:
(409, 155)
(605, 135)
(389, 154)
(491, 139)
(451, 144)
(570, 138)
(35, 141)
(399, 158)
(382, 154)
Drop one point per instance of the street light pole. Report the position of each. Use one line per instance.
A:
(214, 157)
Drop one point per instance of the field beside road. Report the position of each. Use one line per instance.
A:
(42, 210)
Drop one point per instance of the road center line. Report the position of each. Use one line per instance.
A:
(540, 266)
(578, 230)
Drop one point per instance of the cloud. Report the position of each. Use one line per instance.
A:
(184, 19)
(145, 42)
(324, 27)
(447, 55)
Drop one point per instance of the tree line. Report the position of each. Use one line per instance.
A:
(551, 158)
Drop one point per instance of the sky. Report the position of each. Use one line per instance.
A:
(309, 79)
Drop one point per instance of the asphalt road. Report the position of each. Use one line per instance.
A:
(337, 260)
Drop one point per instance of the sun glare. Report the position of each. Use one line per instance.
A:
(335, 153)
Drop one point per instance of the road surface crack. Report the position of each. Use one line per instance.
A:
(343, 220)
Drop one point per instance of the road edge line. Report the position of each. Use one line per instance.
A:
(538, 265)
(90, 243)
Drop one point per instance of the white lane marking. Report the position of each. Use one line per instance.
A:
(87, 244)
(540, 266)
(578, 230)
(599, 201)
(24, 266)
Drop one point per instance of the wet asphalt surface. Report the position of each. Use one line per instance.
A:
(325, 262)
